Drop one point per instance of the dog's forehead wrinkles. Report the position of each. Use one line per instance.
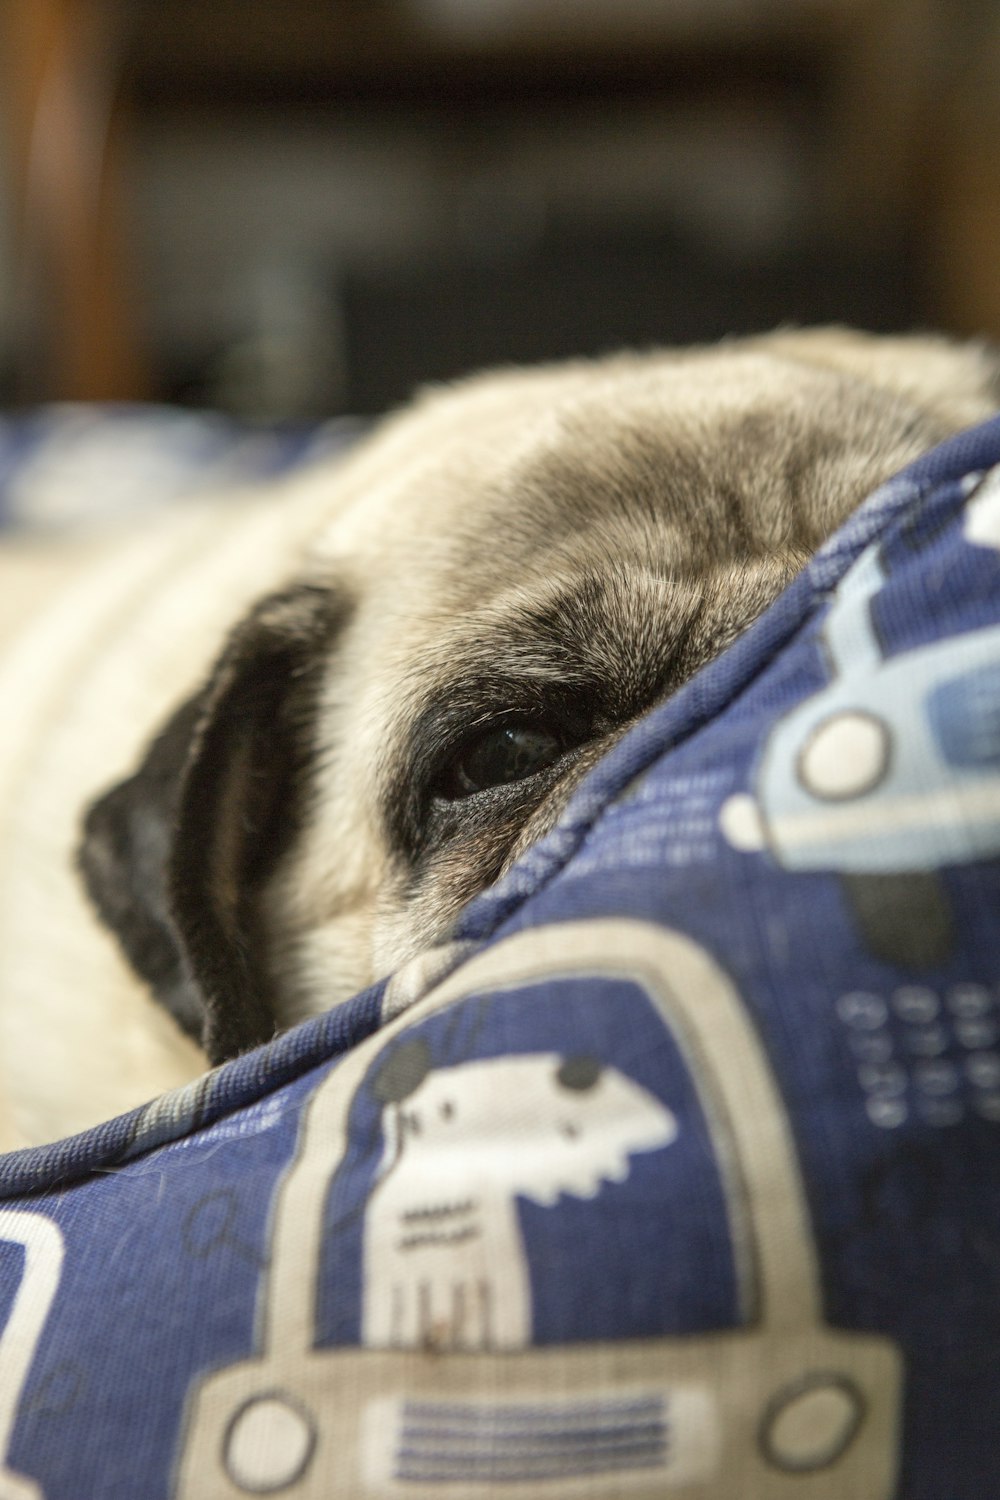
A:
(609, 633)
(738, 450)
(746, 474)
(722, 490)
(596, 420)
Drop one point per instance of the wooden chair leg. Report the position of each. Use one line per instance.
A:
(77, 332)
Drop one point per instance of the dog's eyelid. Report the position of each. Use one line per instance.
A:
(510, 750)
(474, 704)
(467, 709)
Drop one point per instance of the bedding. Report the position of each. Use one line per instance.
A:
(674, 1174)
(73, 466)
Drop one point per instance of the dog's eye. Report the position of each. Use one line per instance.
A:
(505, 753)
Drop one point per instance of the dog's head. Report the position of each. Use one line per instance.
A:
(514, 571)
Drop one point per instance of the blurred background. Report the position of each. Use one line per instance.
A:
(295, 208)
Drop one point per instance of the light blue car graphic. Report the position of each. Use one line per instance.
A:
(895, 765)
(892, 769)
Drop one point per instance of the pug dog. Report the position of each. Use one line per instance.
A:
(263, 753)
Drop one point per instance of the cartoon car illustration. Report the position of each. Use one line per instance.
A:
(435, 1400)
(886, 774)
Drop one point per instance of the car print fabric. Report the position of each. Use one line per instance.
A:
(676, 1173)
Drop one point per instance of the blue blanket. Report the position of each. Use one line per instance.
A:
(676, 1173)
(72, 465)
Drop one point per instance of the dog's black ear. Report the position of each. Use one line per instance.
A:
(174, 857)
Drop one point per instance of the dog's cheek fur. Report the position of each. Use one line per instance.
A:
(176, 856)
